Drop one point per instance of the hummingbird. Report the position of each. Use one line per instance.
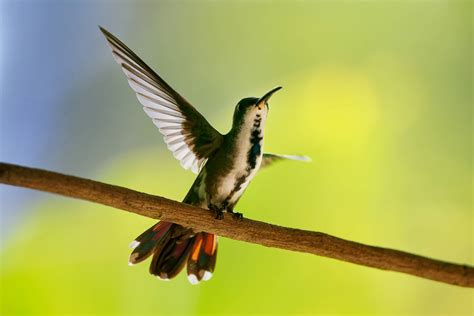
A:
(224, 164)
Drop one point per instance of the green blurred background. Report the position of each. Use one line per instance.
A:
(379, 94)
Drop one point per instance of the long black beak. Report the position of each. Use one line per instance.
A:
(267, 96)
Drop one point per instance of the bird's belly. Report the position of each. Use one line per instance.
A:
(224, 179)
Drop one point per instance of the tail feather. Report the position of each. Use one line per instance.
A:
(172, 246)
(145, 244)
(170, 260)
(202, 259)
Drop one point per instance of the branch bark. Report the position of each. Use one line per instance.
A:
(245, 230)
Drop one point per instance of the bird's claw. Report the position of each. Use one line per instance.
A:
(219, 214)
(237, 215)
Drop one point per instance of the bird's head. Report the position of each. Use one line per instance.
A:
(251, 110)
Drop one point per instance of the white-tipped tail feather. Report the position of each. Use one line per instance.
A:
(207, 276)
(162, 279)
(193, 279)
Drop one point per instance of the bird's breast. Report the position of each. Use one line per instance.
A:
(237, 169)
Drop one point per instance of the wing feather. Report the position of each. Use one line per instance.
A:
(268, 159)
(187, 134)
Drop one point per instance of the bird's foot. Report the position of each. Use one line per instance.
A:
(236, 215)
(218, 212)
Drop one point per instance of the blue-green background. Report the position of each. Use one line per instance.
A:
(378, 93)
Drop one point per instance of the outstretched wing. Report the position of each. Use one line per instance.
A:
(268, 159)
(186, 132)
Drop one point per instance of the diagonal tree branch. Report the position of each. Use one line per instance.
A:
(245, 230)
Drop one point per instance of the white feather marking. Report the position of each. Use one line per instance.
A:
(154, 114)
(195, 167)
(207, 276)
(174, 140)
(180, 153)
(154, 103)
(134, 244)
(198, 164)
(167, 111)
(135, 81)
(294, 157)
(187, 163)
(167, 132)
(171, 139)
(176, 146)
(162, 279)
(121, 58)
(161, 101)
(138, 88)
(193, 279)
(162, 124)
(135, 78)
(188, 160)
